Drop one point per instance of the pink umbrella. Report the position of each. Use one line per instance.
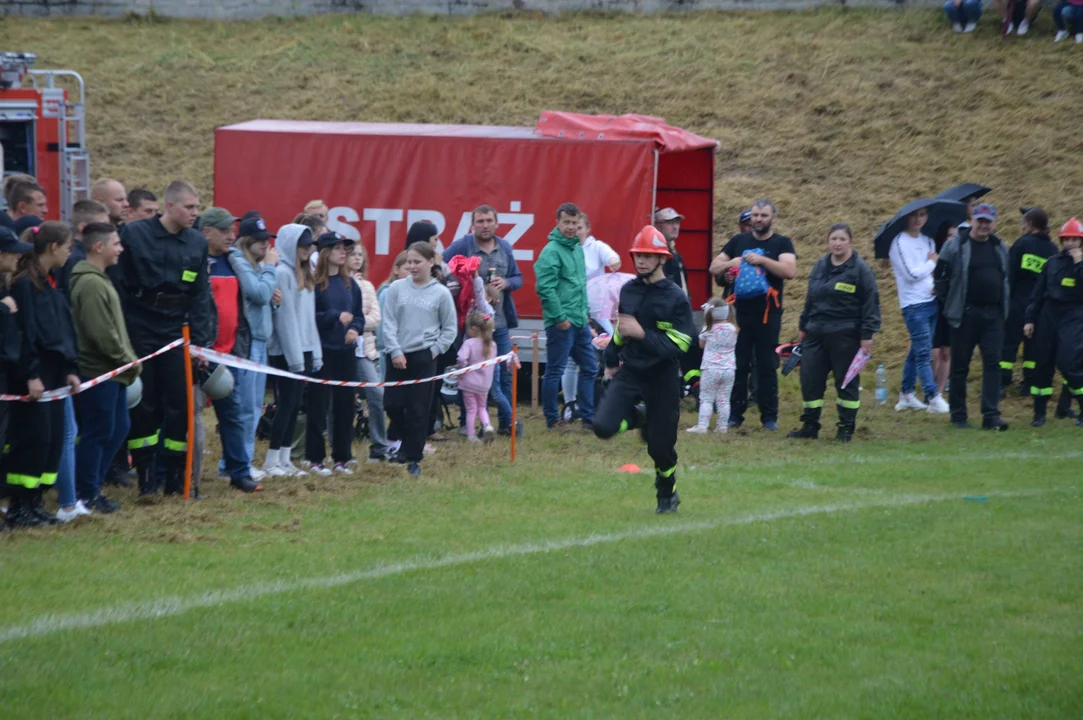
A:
(856, 365)
(603, 293)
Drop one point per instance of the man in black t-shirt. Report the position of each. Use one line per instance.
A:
(760, 318)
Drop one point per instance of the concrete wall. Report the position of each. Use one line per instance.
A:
(251, 9)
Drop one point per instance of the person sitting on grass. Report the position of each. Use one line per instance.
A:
(963, 14)
(1068, 17)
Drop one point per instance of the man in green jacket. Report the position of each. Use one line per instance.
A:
(562, 288)
(103, 347)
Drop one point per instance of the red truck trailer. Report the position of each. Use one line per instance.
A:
(377, 179)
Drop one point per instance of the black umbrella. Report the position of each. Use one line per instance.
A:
(940, 211)
(963, 192)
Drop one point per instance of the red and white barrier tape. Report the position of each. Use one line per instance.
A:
(241, 364)
(60, 393)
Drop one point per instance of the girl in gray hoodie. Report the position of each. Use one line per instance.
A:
(419, 325)
(295, 341)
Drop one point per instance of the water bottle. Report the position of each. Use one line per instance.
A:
(881, 385)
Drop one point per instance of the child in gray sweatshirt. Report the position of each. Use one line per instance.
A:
(419, 324)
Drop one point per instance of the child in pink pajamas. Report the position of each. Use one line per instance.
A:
(476, 383)
(719, 342)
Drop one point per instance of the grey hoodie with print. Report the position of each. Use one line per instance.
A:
(295, 331)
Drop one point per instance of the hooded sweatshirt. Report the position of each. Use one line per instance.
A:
(295, 331)
(257, 286)
(561, 275)
(99, 325)
(418, 318)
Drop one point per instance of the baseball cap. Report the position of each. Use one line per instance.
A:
(9, 243)
(255, 228)
(251, 214)
(217, 217)
(330, 239)
(985, 211)
(667, 214)
(306, 238)
(745, 217)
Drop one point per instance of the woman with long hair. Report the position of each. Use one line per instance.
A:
(295, 343)
(48, 361)
(367, 370)
(340, 320)
(419, 326)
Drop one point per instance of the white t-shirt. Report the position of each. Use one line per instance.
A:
(913, 268)
(598, 256)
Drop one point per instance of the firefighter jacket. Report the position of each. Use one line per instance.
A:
(1060, 283)
(663, 311)
(162, 280)
(840, 298)
(45, 323)
(10, 347)
(1025, 261)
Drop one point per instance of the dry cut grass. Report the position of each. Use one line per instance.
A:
(837, 115)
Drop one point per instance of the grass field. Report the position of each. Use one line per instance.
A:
(916, 573)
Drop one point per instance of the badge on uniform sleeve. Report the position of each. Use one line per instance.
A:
(846, 287)
(188, 276)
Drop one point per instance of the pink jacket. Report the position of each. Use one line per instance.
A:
(471, 353)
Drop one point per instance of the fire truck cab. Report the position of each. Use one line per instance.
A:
(43, 130)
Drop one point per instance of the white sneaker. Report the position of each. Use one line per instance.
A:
(394, 446)
(1061, 35)
(957, 27)
(320, 470)
(487, 433)
(271, 466)
(697, 429)
(1011, 28)
(81, 508)
(255, 473)
(342, 469)
(938, 406)
(721, 428)
(77, 510)
(473, 439)
(970, 27)
(1079, 38)
(1023, 28)
(909, 401)
(287, 465)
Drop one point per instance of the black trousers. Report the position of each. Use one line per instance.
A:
(1058, 343)
(160, 420)
(660, 390)
(982, 327)
(337, 365)
(823, 354)
(287, 404)
(36, 431)
(757, 339)
(1013, 335)
(408, 406)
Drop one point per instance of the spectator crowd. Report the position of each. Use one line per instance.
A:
(100, 305)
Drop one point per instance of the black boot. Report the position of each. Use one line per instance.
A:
(148, 483)
(845, 433)
(665, 491)
(1040, 402)
(808, 431)
(174, 480)
(117, 476)
(19, 515)
(1064, 405)
(37, 507)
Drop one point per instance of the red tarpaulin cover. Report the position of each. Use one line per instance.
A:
(666, 138)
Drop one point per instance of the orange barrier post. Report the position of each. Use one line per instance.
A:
(187, 335)
(515, 398)
(534, 375)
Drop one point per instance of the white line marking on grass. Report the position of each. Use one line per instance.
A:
(178, 605)
(843, 460)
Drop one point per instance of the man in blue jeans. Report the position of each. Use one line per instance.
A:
(500, 273)
(561, 276)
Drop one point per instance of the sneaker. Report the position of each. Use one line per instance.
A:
(463, 432)
(393, 446)
(505, 430)
(487, 433)
(961, 425)
(246, 485)
(473, 439)
(908, 401)
(996, 425)
(66, 516)
(697, 429)
(320, 469)
(397, 459)
(1011, 28)
(957, 27)
(721, 428)
(735, 424)
(668, 505)
(770, 426)
(1069, 413)
(1079, 38)
(81, 508)
(1024, 27)
(341, 469)
(1038, 421)
(1061, 35)
(970, 27)
(938, 406)
(560, 425)
(414, 469)
(256, 474)
(103, 505)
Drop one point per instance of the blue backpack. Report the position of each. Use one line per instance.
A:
(751, 279)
